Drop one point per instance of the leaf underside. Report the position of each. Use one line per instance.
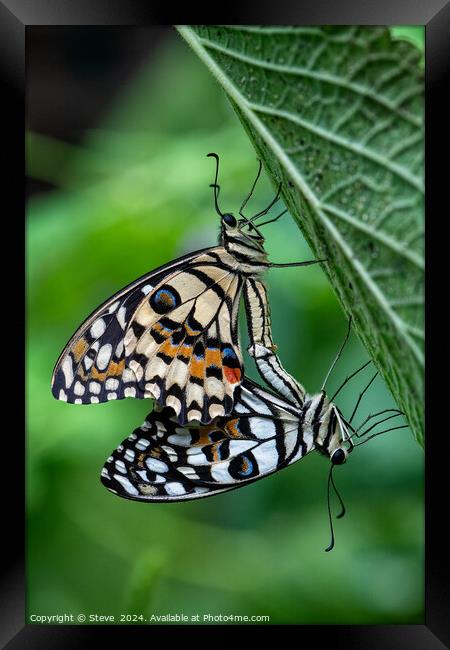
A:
(336, 115)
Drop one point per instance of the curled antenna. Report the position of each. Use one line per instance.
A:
(337, 356)
(343, 510)
(214, 185)
(341, 514)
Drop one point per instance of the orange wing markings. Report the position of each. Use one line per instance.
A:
(79, 349)
(113, 370)
(233, 375)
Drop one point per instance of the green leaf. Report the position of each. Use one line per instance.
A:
(336, 114)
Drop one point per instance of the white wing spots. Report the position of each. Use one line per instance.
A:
(119, 349)
(120, 466)
(95, 387)
(111, 396)
(105, 472)
(129, 455)
(142, 444)
(175, 489)
(126, 484)
(62, 396)
(174, 403)
(189, 473)
(87, 362)
(196, 456)
(113, 307)
(112, 384)
(129, 392)
(98, 328)
(104, 356)
(145, 290)
(137, 369)
(79, 389)
(94, 400)
(78, 401)
(130, 341)
(181, 440)
(128, 376)
(155, 465)
(160, 426)
(216, 410)
(121, 317)
(67, 369)
(152, 390)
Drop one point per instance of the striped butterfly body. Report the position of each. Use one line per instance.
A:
(171, 335)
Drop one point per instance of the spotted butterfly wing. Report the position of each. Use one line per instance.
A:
(171, 335)
(162, 461)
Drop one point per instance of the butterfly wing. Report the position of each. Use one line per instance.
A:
(171, 335)
(162, 461)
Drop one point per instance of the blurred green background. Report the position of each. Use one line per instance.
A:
(130, 194)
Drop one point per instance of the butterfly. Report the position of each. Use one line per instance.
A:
(163, 461)
(267, 431)
(172, 334)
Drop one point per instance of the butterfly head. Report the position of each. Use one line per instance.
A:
(241, 232)
(329, 429)
(241, 237)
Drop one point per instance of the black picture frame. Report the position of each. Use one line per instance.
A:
(18, 16)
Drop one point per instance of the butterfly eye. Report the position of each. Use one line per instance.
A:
(229, 220)
(339, 457)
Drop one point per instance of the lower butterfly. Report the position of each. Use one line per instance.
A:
(162, 461)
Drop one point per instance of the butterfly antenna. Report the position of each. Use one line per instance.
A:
(338, 355)
(343, 510)
(246, 200)
(331, 483)
(361, 395)
(330, 519)
(215, 185)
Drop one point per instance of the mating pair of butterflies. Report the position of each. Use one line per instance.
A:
(172, 335)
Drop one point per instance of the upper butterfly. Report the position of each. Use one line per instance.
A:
(172, 335)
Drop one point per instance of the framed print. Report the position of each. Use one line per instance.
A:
(224, 285)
